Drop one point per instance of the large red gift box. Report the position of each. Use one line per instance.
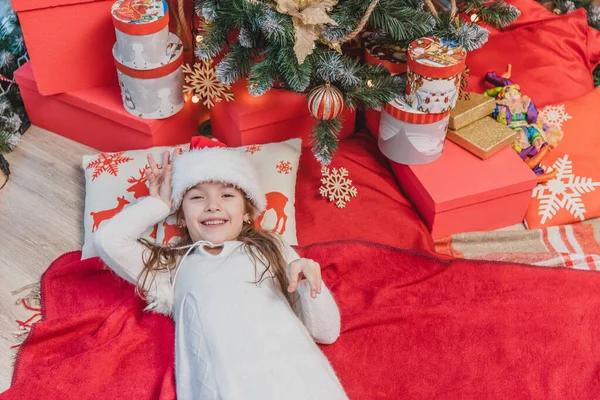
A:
(69, 43)
(96, 117)
(461, 193)
(276, 116)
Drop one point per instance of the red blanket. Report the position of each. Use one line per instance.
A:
(413, 327)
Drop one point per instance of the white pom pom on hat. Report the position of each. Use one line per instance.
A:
(216, 164)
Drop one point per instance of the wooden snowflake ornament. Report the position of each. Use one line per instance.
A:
(336, 186)
(202, 82)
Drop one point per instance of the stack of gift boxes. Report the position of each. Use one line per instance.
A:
(148, 59)
(465, 178)
(104, 74)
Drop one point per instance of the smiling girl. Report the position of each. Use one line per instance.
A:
(247, 309)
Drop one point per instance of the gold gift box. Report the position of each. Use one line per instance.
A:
(468, 111)
(484, 137)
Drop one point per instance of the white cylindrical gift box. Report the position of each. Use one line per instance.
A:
(434, 70)
(142, 30)
(411, 137)
(153, 94)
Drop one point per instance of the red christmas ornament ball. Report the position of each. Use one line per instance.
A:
(325, 102)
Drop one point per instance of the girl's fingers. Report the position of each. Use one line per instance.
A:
(294, 277)
(293, 283)
(320, 280)
(149, 175)
(153, 166)
(166, 183)
(313, 286)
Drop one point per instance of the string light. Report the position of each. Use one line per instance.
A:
(370, 83)
(474, 17)
(195, 99)
(199, 39)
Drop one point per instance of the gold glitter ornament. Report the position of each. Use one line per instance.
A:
(484, 137)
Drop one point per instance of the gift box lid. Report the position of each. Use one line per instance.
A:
(102, 100)
(27, 5)
(140, 19)
(459, 178)
(248, 112)
(436, 58)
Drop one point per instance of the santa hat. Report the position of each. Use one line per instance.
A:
(216, 164)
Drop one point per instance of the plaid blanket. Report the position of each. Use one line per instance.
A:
(571, 246)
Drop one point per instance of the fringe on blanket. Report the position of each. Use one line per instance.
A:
(31, 299)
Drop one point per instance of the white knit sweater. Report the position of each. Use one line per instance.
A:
(234, 339)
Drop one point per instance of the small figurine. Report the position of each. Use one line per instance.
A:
(535, 138)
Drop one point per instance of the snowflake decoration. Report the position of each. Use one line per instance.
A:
(564, 191)
(555, 115)
(284, 167)
(253, 148)
(201, 81)
(336, 186)
(108, 162)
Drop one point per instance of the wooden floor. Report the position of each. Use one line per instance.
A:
(41, 210)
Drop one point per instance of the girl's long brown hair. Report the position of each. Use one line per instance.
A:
(264, 247)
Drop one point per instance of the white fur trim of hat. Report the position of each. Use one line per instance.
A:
(216, 164)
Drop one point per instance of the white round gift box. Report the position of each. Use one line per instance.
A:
(142, 30)
(434, 70)
(153, 94)
(411, 137)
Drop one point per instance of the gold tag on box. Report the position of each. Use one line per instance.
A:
(468, 111)
(484, 137)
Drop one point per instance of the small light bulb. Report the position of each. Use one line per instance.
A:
(199, 39)
(195, 99)
(370, 83)
(474, 17)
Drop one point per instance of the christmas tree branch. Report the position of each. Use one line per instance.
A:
(324, 139)
(498, 14)
(469, 36)
(360, 26)
(235, 65)
(377, 88)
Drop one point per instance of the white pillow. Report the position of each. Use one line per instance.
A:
(114, 181)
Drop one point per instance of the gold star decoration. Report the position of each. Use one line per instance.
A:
(202, 82)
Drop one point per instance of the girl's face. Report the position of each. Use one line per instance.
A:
(214, 212)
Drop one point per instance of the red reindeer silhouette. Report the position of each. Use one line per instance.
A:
(171, 231)
(138, 187)
(154, 232)
(275, 201)
(100, 216)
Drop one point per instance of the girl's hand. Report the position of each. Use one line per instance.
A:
(309, 269)
(160, 181)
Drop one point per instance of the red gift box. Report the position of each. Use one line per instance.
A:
(461, 193)
(69, 43)
(96, 117)
(276, 116)
(372, 119)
